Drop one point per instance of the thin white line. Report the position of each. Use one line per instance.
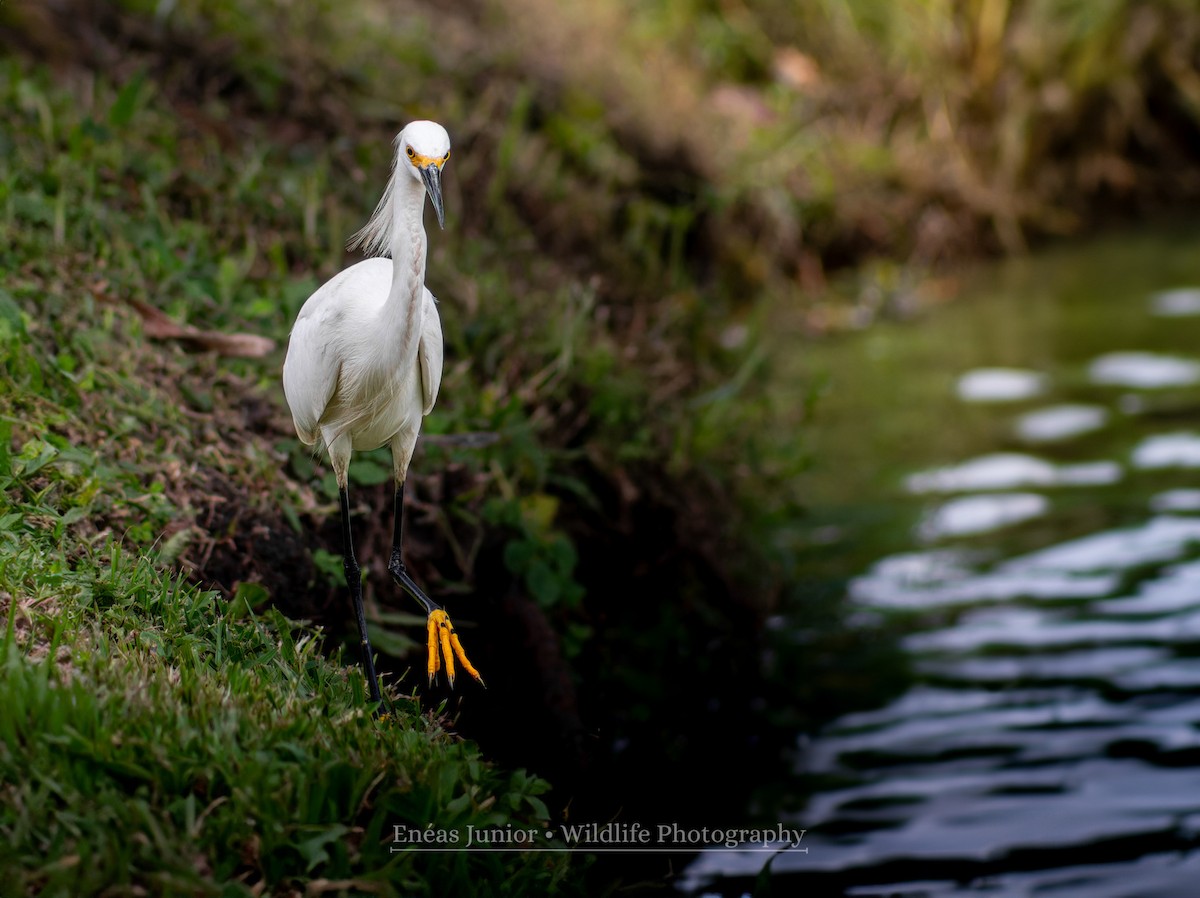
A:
(395, 850)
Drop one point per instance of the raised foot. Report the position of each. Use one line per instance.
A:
(443, 643)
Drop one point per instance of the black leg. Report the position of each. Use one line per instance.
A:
(444, 646)
(354, 581)
(396, 564)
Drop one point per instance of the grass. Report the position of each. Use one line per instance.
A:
(156, 741)
(158, 737)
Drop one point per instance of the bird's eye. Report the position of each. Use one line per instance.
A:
(447, 156)
(410, 152)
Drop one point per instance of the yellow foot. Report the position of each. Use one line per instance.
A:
(443, 643)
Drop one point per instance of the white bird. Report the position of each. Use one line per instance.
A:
(364, 364)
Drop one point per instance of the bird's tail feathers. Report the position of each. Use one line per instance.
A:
(310, 438)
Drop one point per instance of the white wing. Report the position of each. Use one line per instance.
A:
(430, 352)
(309, 376)
(313, 362)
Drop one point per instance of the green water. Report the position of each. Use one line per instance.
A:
(890, 407)
(1045, 592)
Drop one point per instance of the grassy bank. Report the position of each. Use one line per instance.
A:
(158, 737)
(209, 746)
(154, 741)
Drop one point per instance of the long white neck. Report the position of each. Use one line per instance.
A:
(403, 313)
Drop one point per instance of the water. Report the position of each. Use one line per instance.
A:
(1012, 483)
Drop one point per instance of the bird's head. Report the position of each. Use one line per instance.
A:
(423, 148)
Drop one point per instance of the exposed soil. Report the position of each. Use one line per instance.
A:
(622, 728)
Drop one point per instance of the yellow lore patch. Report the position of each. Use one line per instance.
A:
(422, 161)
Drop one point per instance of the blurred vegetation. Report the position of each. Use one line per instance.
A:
(637, 189)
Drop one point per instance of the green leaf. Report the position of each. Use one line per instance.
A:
(543, 583)
(388, 641)
(313, 849)
(124, 107)
(332, 565)
(173, 546)
(369, 473)
(11, 323)
(36, 455)
(229, 276)
(564, 555)
(538, 511)
(247, 598)
(539, 807)
(5, 438)
(517, 555)
(73, 515)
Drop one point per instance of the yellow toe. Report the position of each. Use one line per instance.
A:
(435, 658)
(443, 645)
(444, 631)
(462, 656)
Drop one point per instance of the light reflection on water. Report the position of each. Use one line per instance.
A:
(1051, 741)
(1060, 422)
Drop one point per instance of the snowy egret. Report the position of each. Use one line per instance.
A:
(365, 362)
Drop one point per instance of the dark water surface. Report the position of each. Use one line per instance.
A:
(1032, 536)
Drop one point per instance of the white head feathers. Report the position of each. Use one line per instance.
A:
(420, 144)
